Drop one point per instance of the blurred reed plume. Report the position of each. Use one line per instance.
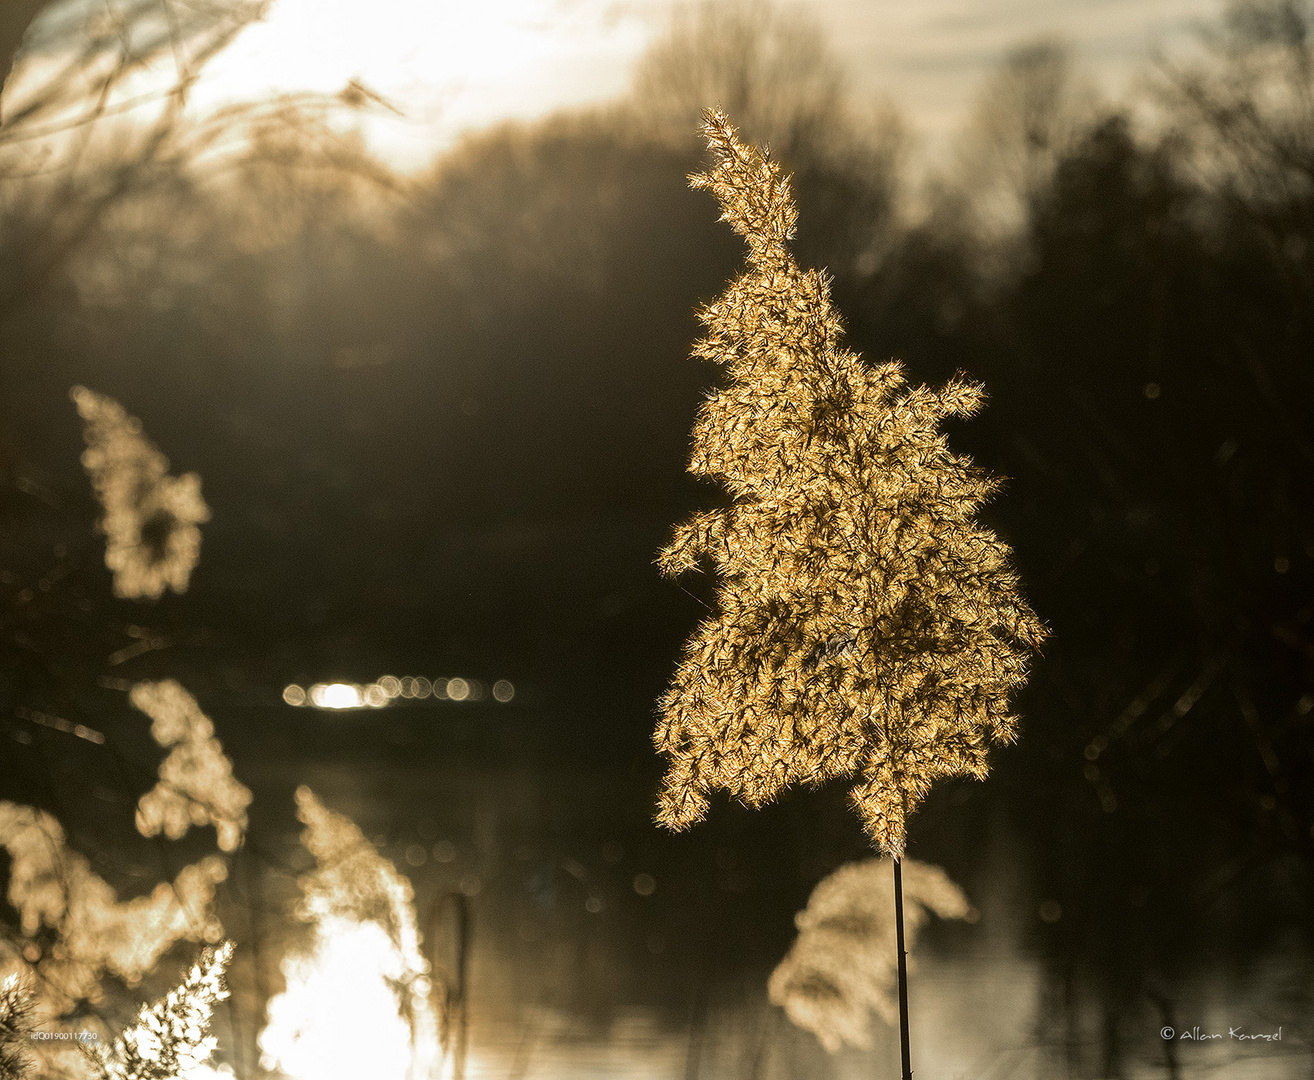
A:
(53, 886)
(151, 518)
(843, 965)
(196, 785)
(865, 623)
(170, 1040)
(359, 1003)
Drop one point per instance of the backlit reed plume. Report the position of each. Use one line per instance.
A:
(17, 1022)
(53, 886)
(152, 541)
(196, 785)
(170, 1039)
(865, 623)
(359, 1003)
(843, 965)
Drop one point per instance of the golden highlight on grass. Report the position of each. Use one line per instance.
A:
(170, 1039)
(53, 886)
(196, 785)
(866, 623)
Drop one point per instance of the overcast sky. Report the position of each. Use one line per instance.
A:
(453, 64)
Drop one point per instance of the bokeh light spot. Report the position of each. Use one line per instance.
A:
(337, 696)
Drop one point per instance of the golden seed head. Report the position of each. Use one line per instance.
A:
(865, 623)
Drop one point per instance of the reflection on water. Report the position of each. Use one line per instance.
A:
(980, 1017)
(375, 695)
(544, 1045)
(600, 946)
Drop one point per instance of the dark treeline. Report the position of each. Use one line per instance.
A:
(443, 420)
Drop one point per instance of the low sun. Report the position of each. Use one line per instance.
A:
(446, 65)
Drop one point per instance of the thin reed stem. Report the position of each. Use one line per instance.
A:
(903, 970)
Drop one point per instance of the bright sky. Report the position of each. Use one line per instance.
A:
(451, 65)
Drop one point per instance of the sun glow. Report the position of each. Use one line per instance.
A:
(337, 696)
(342, 989)
(359, 1002)
(446, 66)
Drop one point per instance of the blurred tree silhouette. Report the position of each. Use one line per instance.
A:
(97, 125)
(1025, 119)
(766, 63)
(1247, 104)
(64, 162)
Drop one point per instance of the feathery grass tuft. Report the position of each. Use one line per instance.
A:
(866, 623)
